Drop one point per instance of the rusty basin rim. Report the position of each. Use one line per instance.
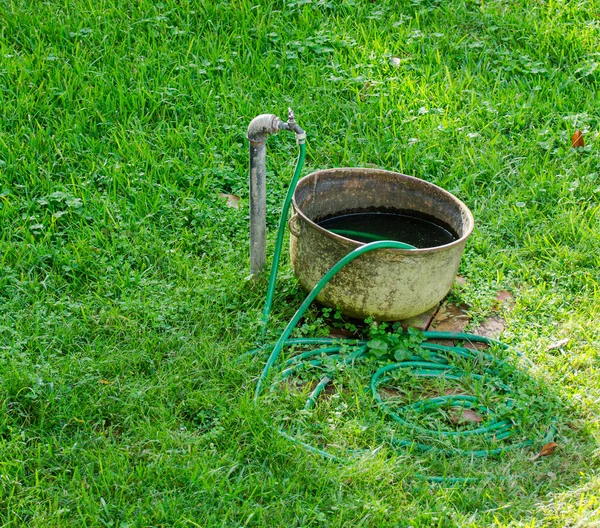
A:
(368, 171)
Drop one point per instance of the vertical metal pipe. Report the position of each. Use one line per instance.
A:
(258, 130)
(258, 206)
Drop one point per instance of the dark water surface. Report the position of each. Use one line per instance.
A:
(367, 227)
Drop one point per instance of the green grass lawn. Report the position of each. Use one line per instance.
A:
(124, 299)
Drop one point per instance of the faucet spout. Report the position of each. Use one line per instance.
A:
(292, 126)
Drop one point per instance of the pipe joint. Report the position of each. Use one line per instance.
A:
(263, 125)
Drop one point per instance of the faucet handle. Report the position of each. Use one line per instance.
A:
(291, 117)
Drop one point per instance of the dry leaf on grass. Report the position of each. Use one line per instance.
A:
(460, 280)
(558, 344)
(340, 333)
(471, 345)
(577, 139)
(450, 318)
(389, 392)
(453, 391)
(547, 450)
(464, 415)
(232, 200)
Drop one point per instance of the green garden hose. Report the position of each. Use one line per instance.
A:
(430, 360)
(281, 231)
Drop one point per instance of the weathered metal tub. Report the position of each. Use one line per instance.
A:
(388, 284)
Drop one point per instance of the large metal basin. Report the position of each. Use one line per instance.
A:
(387, 284)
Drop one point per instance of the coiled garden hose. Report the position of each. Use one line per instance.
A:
(431, 360)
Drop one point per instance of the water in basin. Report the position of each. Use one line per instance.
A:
(408, 228)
